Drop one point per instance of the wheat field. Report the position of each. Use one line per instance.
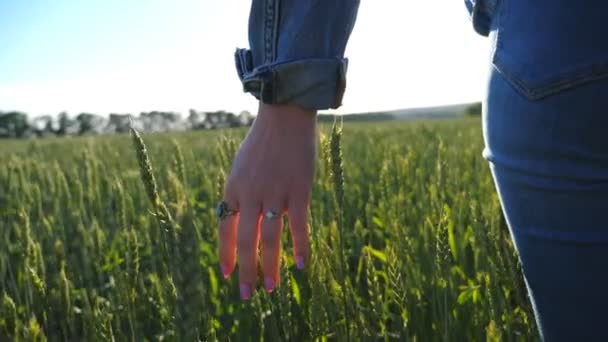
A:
(108, 239)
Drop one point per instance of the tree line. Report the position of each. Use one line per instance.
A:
(15, 124)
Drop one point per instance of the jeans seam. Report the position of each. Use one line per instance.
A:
(271, 23)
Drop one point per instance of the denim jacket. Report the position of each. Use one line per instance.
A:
(481, 12)
(296, 53)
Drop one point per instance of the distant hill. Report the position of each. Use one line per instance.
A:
(436, 112)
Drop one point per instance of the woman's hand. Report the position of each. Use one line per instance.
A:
(272, 171)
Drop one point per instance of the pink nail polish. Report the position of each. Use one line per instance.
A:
(269, 284)
(226, 274)
(245, 291)
(300, 262)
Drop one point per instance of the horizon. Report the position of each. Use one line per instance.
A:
(253, 113)
(110, 57)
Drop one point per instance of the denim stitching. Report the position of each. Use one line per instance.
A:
(563, 81)
(271, 23)
(269, 82)
(575, 237)
(552, 86)
(243, 62)
(270, 29)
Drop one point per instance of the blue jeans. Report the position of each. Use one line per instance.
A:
(549, 160)
(545, 123)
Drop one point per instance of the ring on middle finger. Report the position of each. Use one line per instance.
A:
(271, 214)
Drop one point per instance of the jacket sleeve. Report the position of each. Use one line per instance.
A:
(481, 13)
(296, 53)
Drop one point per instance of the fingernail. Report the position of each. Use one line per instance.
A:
(245, 291)
(300, 262)
(226, 275)
(269, 284)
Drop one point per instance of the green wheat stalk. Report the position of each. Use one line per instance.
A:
(178, 162)
(162, 214)
(337, 175)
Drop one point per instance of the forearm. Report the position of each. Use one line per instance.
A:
(296, 54)
(295, 66)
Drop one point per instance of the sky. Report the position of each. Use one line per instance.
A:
(111, 56)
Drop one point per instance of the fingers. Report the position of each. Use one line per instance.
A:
(227, 243)
(298, 224)
(240, 235)
(247, 249)
(271, 249)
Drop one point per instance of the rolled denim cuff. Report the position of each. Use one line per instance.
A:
(296, 51)
(481, 13)
(312, 83)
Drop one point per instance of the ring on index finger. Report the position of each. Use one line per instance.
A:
(223, 210)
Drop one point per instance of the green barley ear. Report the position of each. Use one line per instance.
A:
(337, 167)
(147, 177)
(102, 315)
(325, 154)
(132, 262)
(121, 212)
(65, 289)
(373, 290)
(221, 180)
(145, 167)
(178, 162)
(36, 277)
(8, 311)
(337, 176)
(168, 229)
(442, 246)
(32, 267)
(34, 331)
(226, 150)
(59, 254)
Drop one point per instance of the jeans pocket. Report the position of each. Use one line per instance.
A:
(544, 47)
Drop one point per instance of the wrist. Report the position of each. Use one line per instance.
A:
(287, 116)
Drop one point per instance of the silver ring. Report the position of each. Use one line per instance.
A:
(270, 214)
(222, 210)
